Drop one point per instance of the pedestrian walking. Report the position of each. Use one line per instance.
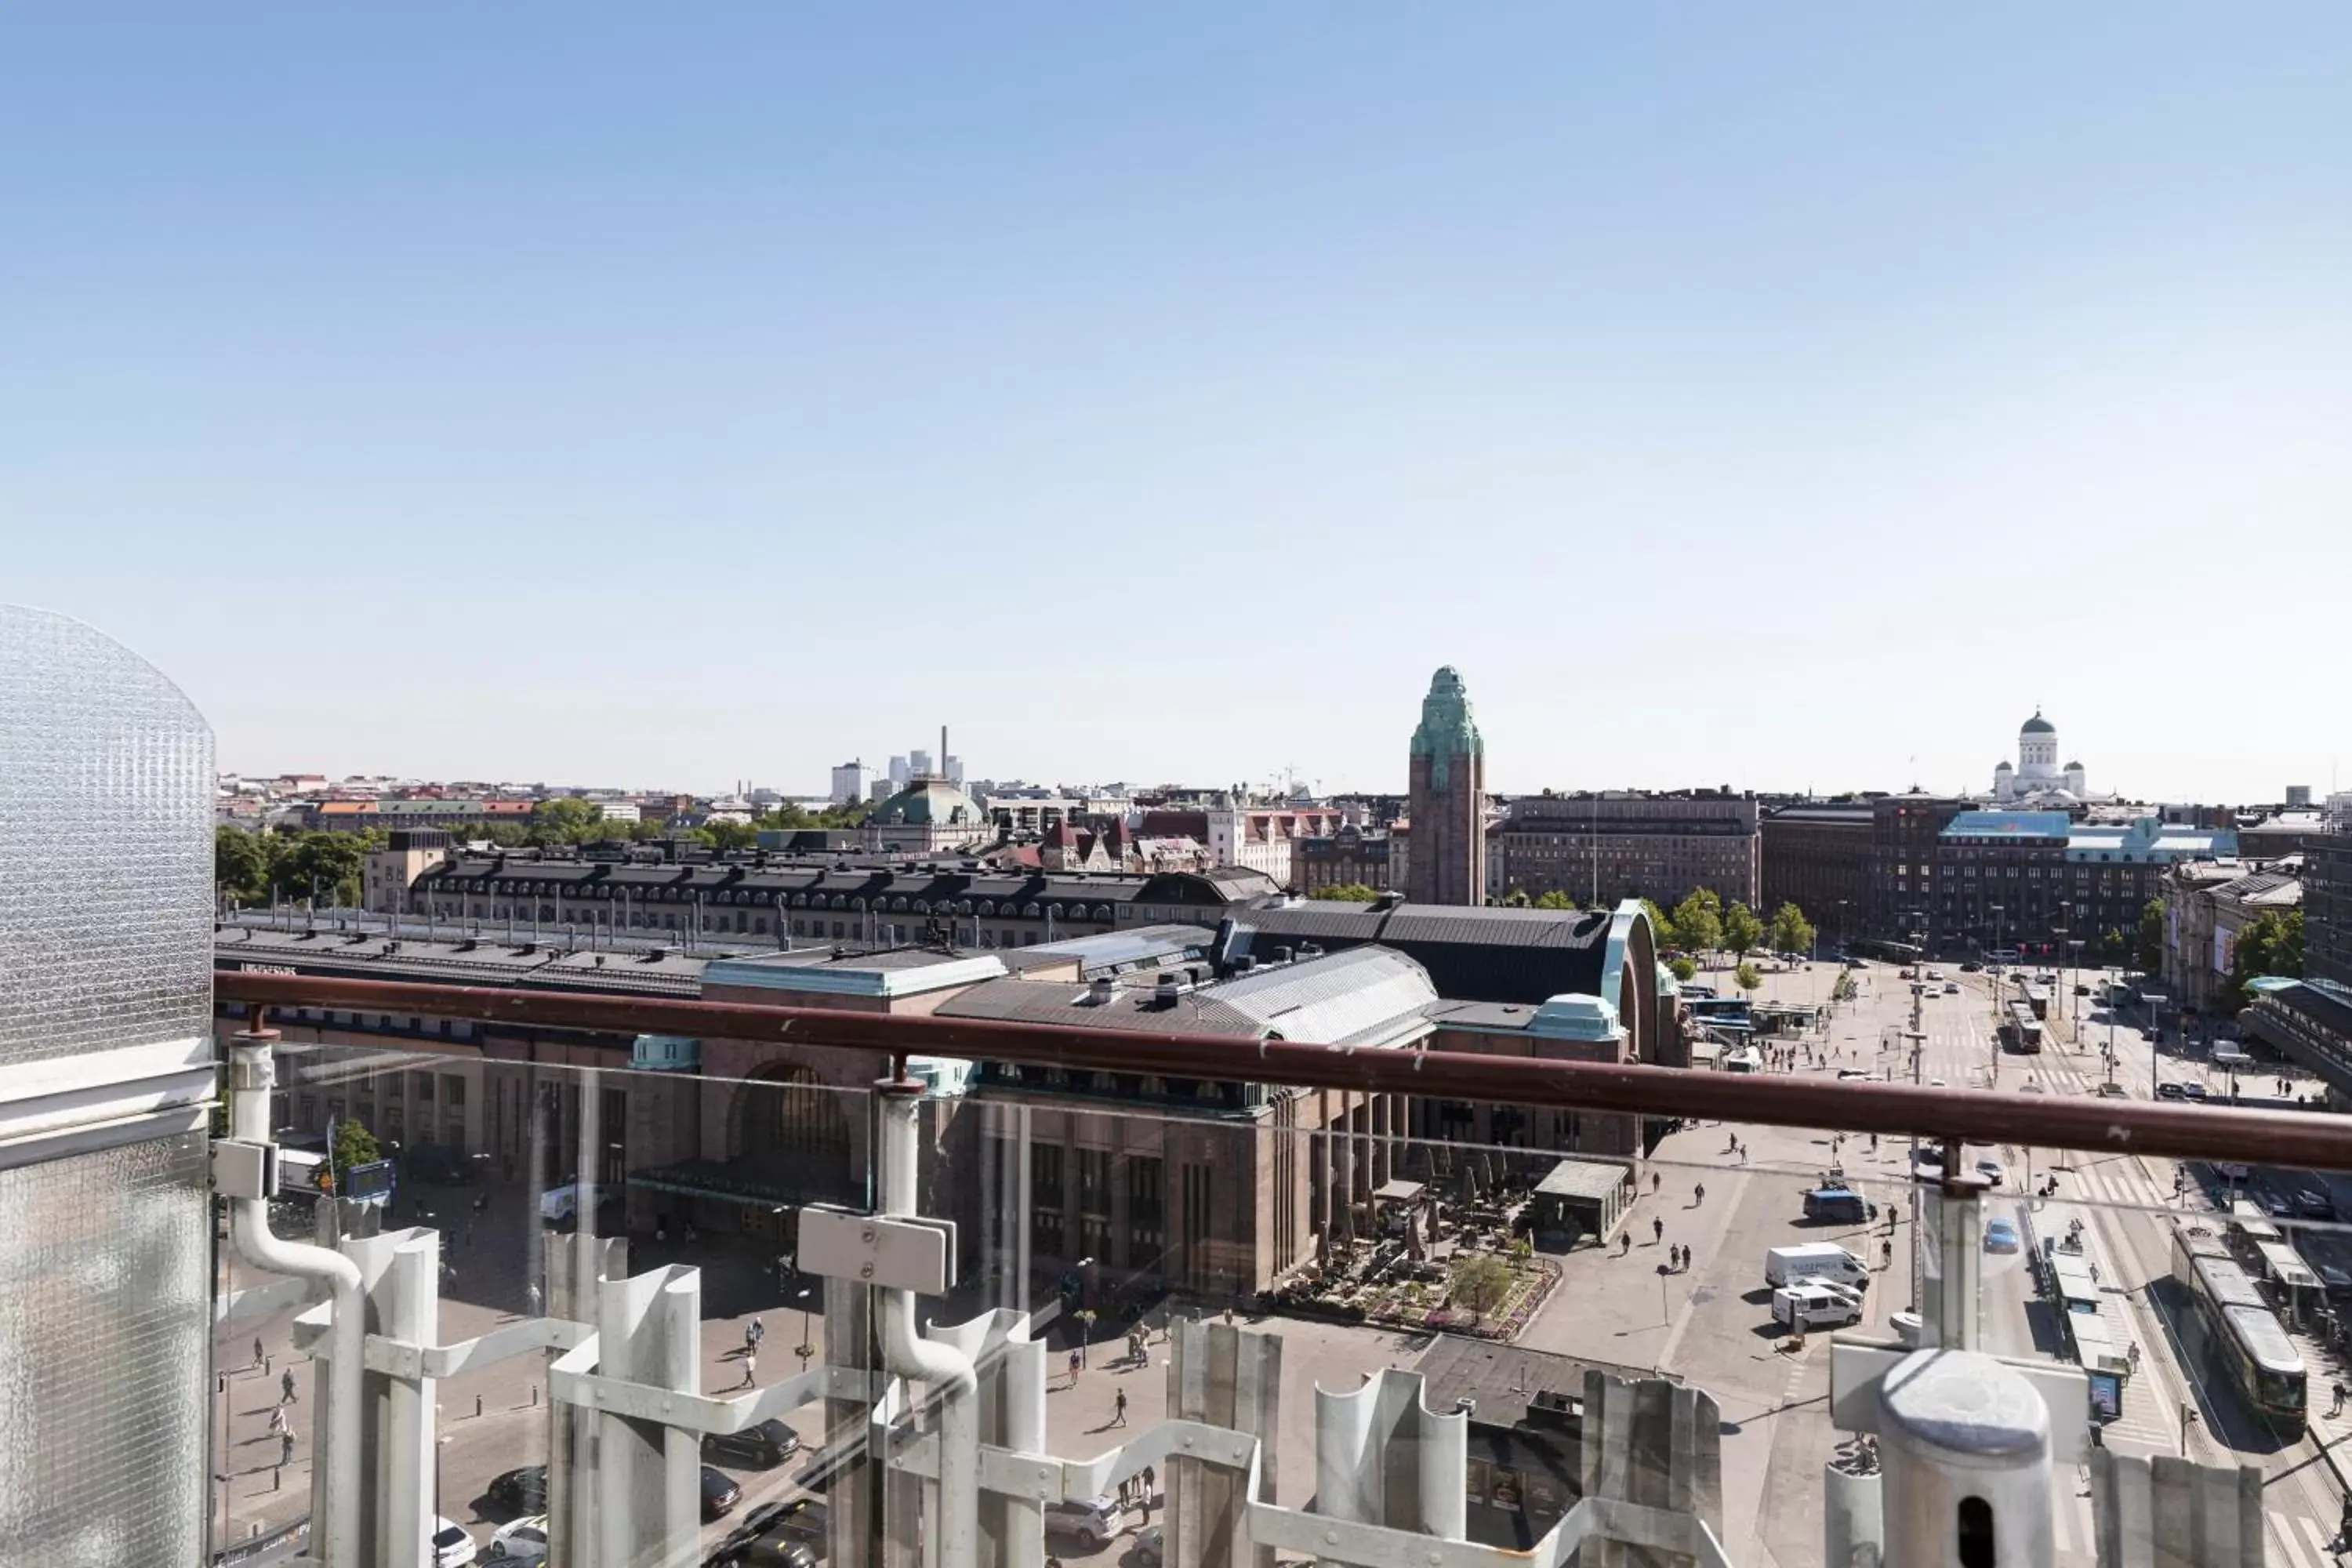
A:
(750, 1367)
(530, 1294)
(1624, 1242)
(1656, 1181)
(1146, 1490)
(259, 1358)
(1118, 1409)
(286, 1447)
(1074, 1369)
(1698, 1194)
(278, 1415)
(1657, 1230)
(286, 1386)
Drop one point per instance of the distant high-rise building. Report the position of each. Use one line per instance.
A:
(919, 762)
(900, 773)
(851, 780)
(2298, 794)
(1448, 765)
(955, 771)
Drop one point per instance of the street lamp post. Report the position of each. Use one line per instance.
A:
(808, 1347)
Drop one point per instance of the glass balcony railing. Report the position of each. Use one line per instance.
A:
(1016, 1314)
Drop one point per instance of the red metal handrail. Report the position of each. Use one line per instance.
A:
(2138, 1127)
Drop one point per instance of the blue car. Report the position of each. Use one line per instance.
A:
(2000, 1236)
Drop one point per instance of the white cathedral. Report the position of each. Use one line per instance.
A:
(2037, 780)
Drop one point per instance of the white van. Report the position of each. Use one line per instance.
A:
(1813, 1307)
(1824, 1260)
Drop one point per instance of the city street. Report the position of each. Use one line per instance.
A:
(1714, 1327)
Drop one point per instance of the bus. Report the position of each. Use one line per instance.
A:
(1721, 1009)
(2246, 1339)
(2021, 1030)
(1886, 951)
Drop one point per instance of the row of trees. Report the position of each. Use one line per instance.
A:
(247, 867)
(294, 863)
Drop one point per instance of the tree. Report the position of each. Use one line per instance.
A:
(1742, 930)
(1682, 966)
(1555, 900)
(352, 1145)
(730, 835)
(566, 819)
(1745, 977)
(1662, 930)
(1698, 921)
(1480, 1282)
(1345, 893)
(1791, 931)
(330, 863)
(2147, 948)
(2271, 945)
(240, 864)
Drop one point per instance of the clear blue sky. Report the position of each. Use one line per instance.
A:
(1778, 396)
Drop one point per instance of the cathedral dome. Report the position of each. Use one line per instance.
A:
(2037, 725)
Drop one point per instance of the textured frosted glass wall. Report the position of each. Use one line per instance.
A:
(106, 781)
(103, 1267)
(106, 865)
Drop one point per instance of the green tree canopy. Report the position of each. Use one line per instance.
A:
(1741, 929)
(1480, 1282)
(354, 1146)
(2147, 948)
(1682, 966)
(2271, 945)
(1662, 930)
(1698, 921)
(724, 836)
(1345, 893)
(240, 864)
(1791, 931)
(1555, 900)
(1745, 977)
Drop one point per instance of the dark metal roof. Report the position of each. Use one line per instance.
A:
(1472, 954)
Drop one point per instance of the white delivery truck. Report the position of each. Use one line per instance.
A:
(1814, 1260)
(1814, 1307)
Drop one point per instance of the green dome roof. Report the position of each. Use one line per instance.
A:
(2038, 725)
(930, 803)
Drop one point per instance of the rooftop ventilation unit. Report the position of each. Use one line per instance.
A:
(1102, 991)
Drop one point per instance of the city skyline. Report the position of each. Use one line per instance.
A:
(1199, 778)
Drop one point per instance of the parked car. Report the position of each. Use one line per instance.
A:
(523, 1542)
(720, 1494)
(1971, 967)
(1951, 988)
(762, 1445)
(452, 1547)
(2310, 1203)
(2171, 1091)
(1150, 1547)
(2193, 1090)
(1992, 1171)
(2112, 1091)
(2000, 1236)
(1091, 1520)
(1847, 1075)
(522, 1491)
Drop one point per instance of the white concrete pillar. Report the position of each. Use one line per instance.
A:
(1964, 1441)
